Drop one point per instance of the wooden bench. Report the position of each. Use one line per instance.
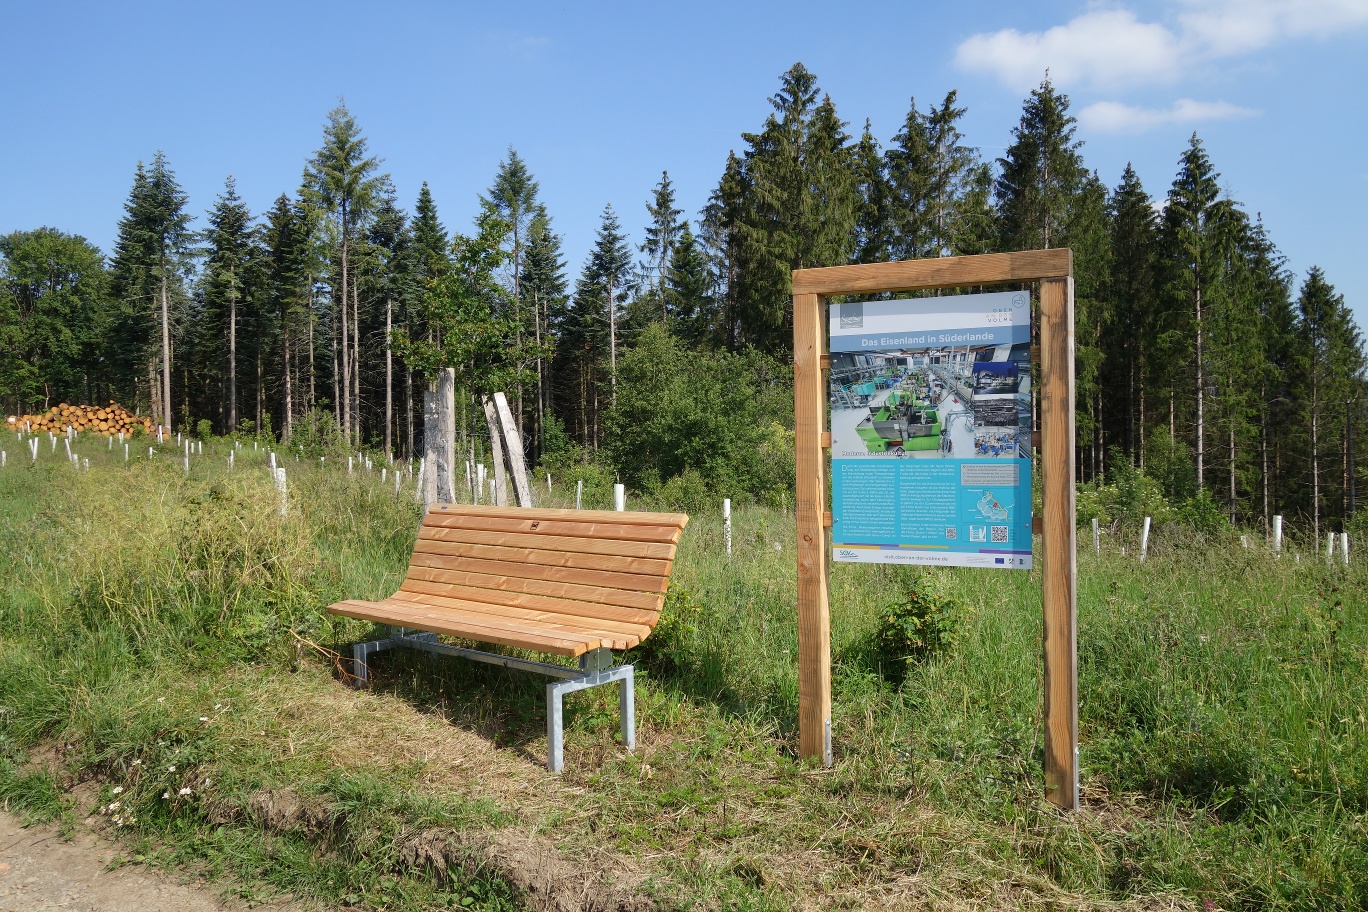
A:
(576, 583)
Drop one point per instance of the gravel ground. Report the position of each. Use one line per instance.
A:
(42, 871)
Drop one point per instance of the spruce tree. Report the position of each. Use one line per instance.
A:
(1131, 294)
(544, 286)
(224, 280)
(342, 182)
(513, 198)
(1193, 236)
(1330, 368)
(392, 281)
(151, 259)
(662, 232)
(1040, 173)
(688, 290)
(929, 170)
(874, 227)
(720, 237)
(799, 209)
(288, 293)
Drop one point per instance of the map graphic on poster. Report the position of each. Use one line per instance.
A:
(931, 431)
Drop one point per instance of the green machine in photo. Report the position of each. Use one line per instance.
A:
(903, 422)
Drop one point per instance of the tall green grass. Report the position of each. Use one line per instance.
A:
(1222, 701)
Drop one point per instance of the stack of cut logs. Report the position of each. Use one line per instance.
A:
(105, 420)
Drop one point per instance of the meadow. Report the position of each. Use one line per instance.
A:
(165, 661)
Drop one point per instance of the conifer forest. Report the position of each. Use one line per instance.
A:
(1204, 365)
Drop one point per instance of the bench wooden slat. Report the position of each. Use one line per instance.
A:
(641, 566)
(536, 540)
(610, 579)
(606, 516)
(623, 598)
(596, 611)
(421, 618)
(517, 620)
(667, 534)
(555, 581)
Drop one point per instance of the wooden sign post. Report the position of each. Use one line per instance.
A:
(1053, 269)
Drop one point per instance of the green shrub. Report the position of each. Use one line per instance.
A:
(723, 415)
(924, 624)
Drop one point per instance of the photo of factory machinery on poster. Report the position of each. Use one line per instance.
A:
(945, 401)
(931, 431)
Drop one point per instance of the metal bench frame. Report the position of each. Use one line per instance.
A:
(595, 668)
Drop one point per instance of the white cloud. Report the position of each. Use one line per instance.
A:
(1225, 27)
(1115, 117)
(1110, 48)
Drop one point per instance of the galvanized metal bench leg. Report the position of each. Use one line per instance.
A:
(555, 734)
(628, 706)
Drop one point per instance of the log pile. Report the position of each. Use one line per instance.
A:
(105, 420)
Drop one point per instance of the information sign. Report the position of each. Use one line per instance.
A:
(931, 431)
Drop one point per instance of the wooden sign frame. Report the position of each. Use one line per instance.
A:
(1053, 269)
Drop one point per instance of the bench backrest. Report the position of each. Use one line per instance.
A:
(590, 563)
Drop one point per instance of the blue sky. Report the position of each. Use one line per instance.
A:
(599, 99)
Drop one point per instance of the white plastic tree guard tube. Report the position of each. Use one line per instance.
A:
(620, 498)
(726, 523)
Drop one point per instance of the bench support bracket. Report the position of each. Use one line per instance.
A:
(594, 670)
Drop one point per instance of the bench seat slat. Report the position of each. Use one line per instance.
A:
(641, 566)
(520, 620)
(537, 540)
(666, 534)
(605, 516)
(591, 611)
(614, 580)
(420, 617)
(623, 598)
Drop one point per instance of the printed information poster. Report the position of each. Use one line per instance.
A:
(931, 431)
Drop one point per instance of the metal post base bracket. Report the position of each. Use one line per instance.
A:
(595, 668)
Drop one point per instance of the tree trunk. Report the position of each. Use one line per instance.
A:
(432, 437)
(356, 364)
(1263, 457)
(312, 396)
(1201, 395)
(541, 398)
(232, 362)
(288, 414)
(166, 352)
(260, 390)
(612, 357)
(1315, 459)
(446, 402)
(389, 375)
(1231, 436)
(344, 386)
(408, 412)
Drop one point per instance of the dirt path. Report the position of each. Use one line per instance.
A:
(41, 871)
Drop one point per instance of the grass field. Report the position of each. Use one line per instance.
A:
(163, 634)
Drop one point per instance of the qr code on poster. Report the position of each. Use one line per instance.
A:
(951, 532)
(999, 534)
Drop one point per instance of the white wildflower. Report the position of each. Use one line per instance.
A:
(166, 794)
(114, 805)
(204, 718)
(137, 763)
(184, 791)
(116, 790)
(161, 699)
(171, 768)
